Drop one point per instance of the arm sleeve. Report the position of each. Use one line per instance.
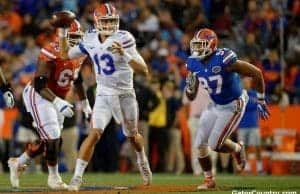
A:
(229, 57)
(77, 51)
(47, 54)
(135, 54)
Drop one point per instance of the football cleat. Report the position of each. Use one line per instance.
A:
(145, 172)
(209, 183)
(55, 182)
(15, 171)
(240, 157)
(75, 183)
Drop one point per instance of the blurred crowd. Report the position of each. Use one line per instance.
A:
(163, 30)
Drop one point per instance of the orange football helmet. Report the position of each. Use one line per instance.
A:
(204, 43)
(75, 33)
(106, 18)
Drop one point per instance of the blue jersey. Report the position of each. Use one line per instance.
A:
(222, 86)
(250, 118)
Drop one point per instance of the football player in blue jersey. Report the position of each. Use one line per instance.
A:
(218, 70)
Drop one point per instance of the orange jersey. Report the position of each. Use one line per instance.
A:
(63, 72)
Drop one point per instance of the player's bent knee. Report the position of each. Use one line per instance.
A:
(214, 145)
(95, 134)
(130, 132)
(130, 128)
(53, 148)
(203, 151)
(53, 130)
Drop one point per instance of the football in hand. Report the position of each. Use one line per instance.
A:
(62, 19)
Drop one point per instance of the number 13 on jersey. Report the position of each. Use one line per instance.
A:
(105, 64)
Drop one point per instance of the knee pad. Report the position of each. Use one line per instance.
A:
(35, 148)
(53, 147)
(203, 151)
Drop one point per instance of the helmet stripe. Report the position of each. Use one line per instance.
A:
(77, 25)
(108, 9)
(198, 34)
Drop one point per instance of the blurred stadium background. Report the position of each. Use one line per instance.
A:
(263, 32)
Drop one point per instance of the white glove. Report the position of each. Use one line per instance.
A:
(191, 82)
(86, 108)
(64, 107)
(9, 99)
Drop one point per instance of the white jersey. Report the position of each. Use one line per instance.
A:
(113, 74)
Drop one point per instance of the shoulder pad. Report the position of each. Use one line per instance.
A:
(49, 51)
(89, 36)
(125, 38)
(227, 56)
(90, 33)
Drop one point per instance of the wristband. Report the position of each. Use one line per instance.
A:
(84, 102)
(5, 87)
(127, 57)
(56, 100)
(260, 95)
(62, 32)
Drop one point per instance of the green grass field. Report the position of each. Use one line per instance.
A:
(227, 183)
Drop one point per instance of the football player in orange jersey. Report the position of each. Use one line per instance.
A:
(44, 99)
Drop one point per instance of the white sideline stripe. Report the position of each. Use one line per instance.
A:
(47, 53)
(288, 132)
(285, 156)
(266, 154)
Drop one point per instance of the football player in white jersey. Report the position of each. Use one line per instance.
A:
(115, 58)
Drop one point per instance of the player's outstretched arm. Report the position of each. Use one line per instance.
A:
(192, 84)
(62, 22)
(246, 69)
(67, 52)
(63, 42)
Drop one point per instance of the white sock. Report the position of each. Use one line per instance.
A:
(208, 174)
(53, 170)
(247, 167)
(24, 159)
(238, 147)
(141, 156)
(259, 167)
(80, 167)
